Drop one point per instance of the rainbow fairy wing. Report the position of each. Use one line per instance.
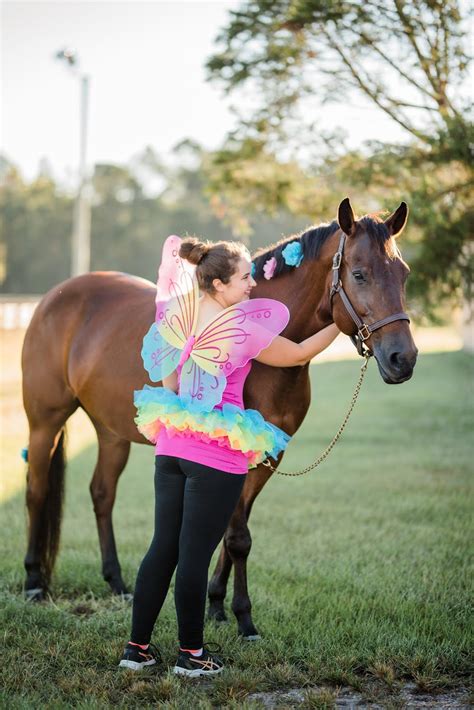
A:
(177, 296)
(238, 334)
(160, 358)
(176, 318)
(172, 268)
(176, 300)
(198, 389)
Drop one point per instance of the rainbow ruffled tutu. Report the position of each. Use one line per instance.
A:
(243, 430)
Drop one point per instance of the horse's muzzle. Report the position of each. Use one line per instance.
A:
(395, 363)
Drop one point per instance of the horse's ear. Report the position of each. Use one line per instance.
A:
(345, 217)
(397, 221)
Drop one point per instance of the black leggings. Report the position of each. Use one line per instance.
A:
(193, 506)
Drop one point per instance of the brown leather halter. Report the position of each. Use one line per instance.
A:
(364, 330)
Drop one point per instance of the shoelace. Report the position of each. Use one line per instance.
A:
(212, 648)
(209, 663)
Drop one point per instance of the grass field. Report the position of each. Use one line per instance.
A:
(359, 572)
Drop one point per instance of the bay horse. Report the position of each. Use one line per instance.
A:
(82, 350)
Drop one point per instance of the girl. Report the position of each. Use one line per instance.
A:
(198, 478)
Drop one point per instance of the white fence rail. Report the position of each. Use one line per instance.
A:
(16, 311)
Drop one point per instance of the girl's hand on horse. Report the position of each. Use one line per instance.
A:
(285, 353)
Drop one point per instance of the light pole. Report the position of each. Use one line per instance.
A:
(81, 248)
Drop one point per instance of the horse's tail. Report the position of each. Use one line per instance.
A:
(49, 529)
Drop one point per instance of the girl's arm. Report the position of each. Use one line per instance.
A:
(285, 353)
(171, 382)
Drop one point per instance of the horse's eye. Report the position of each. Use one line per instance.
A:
(358, 275)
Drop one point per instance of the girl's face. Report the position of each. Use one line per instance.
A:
(240, 285)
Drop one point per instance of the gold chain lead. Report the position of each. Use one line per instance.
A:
(327, 451)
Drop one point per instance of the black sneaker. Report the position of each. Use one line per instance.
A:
(195, 666)
(136, 658)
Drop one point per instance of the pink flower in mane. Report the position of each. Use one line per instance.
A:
(269, 267)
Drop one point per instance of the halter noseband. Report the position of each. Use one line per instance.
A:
(364, 330)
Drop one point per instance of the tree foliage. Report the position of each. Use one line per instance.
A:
(406, 58)
(34, 230)
(128, 223)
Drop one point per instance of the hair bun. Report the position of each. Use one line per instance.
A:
(193, 250)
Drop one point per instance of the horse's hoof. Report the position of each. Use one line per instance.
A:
(119, 589)
(252, 637)
(35, 595)
(219, 616)
(127, 597)
(123, 595)
(216, 613)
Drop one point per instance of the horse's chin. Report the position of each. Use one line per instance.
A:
(396, 359)
(393, 377)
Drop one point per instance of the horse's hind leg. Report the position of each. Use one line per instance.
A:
(44, 496)
(113, 455)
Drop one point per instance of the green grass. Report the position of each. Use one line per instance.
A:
(359, 573)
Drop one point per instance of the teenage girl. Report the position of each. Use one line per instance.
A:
(197, 480)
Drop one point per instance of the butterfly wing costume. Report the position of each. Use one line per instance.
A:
(204, 360)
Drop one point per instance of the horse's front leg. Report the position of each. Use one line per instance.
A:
(238, 543)
(238, 536)
(218, 585)
(235, 550)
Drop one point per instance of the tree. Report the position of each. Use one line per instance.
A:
(36, 221)
(130, 220)
(409, 60)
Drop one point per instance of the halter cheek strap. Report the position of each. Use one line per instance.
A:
(364, 330)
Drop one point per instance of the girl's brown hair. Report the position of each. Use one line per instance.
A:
(213, 260)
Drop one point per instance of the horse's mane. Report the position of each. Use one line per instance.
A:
(312, 240)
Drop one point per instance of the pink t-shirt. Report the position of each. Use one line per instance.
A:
(210, 453)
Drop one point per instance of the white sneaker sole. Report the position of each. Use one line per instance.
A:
(134, 665)
(196, 673)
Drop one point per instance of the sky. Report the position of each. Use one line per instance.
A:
(147, 82)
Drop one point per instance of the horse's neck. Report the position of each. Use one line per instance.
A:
(305, 291)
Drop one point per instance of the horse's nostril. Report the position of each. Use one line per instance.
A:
(396, 360)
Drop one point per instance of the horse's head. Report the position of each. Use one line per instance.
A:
(373, 274)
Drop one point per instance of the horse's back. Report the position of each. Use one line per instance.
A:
(84, 342)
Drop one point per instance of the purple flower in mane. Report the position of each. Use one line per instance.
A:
(293, 254)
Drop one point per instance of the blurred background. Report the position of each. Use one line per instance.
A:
(123, 122)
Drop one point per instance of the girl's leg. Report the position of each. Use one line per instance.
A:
(158, 565)
(210, 498)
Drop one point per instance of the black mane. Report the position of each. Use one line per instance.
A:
(312, 240)
(376, 229)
